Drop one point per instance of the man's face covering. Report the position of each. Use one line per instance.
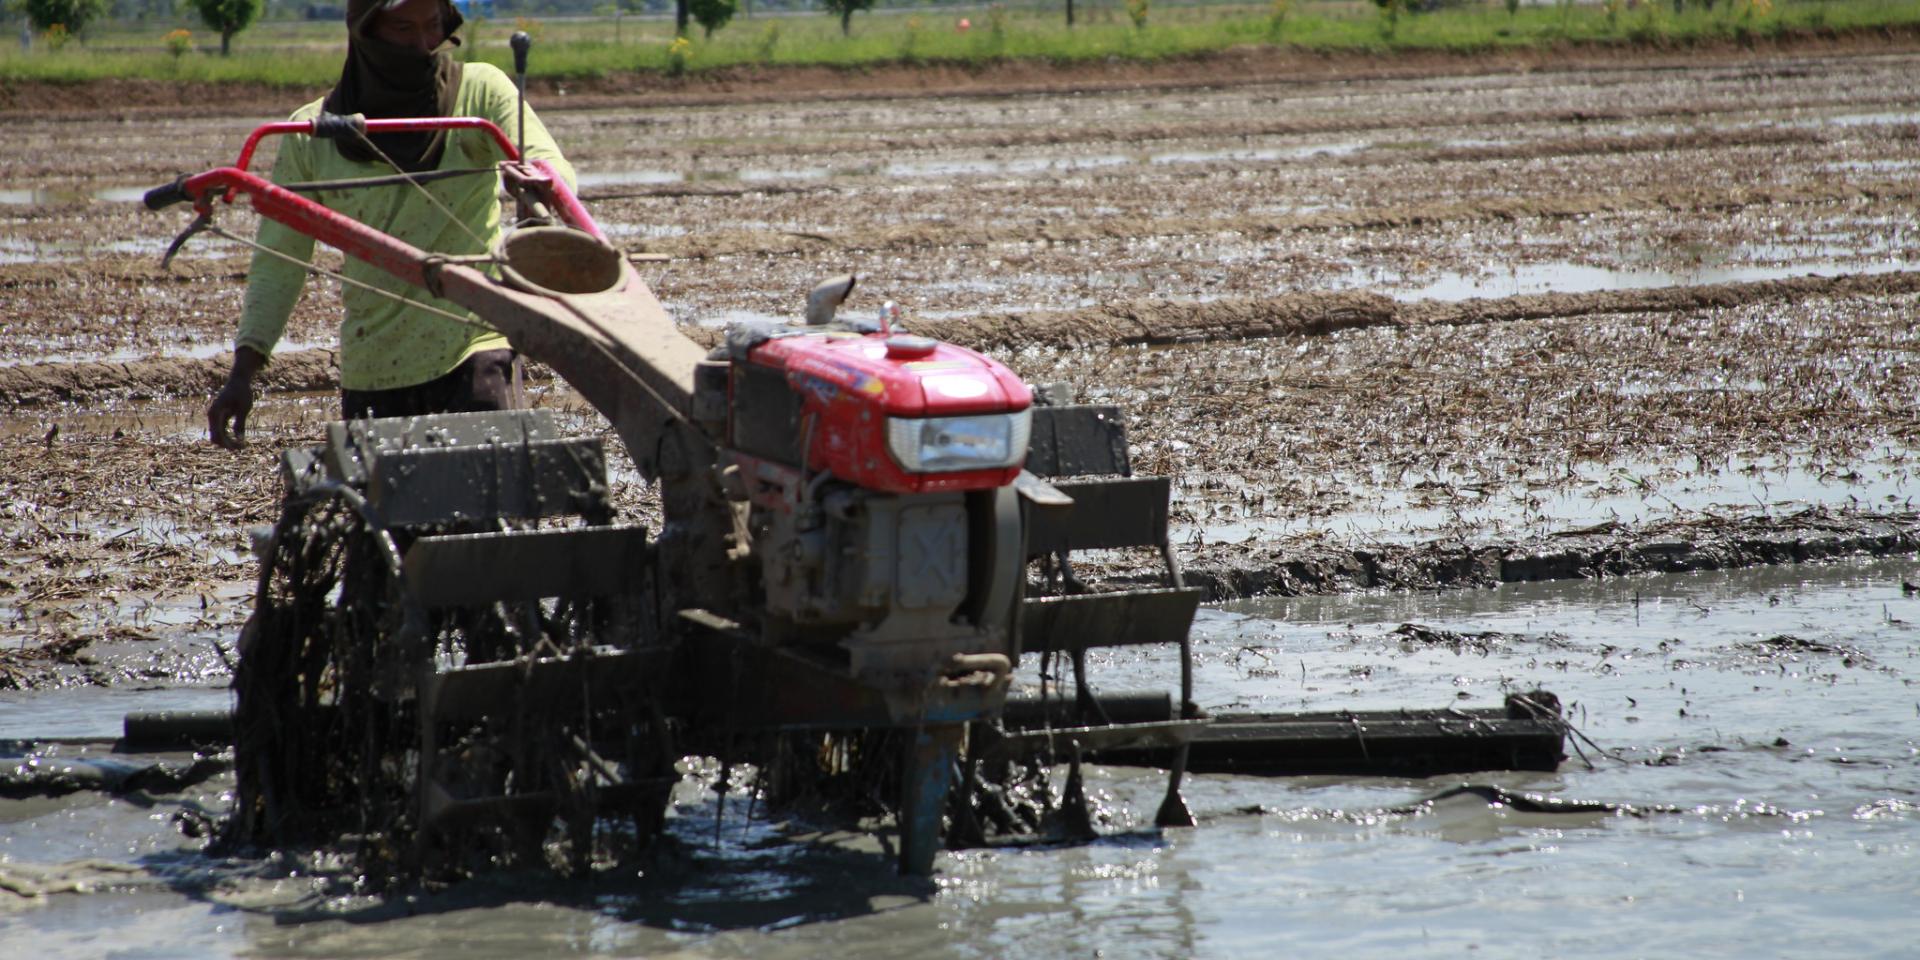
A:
(399, 64)
(412, 25)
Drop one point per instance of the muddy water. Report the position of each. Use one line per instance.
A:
(1755, 732)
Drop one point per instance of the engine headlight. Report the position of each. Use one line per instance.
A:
(951, 444)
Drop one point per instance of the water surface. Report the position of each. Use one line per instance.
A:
(1756, 728)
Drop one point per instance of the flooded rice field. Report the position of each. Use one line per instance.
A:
(1600, 380)
(1743, 786)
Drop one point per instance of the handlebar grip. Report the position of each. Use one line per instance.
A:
(166, 196)
(334, 126)
(520, 43)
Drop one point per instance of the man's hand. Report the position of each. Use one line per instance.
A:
(234, 401)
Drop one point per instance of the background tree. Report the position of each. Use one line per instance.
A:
(846, 9)
(711, 14)
(71, 14)
(228, 16)
(1390, 11)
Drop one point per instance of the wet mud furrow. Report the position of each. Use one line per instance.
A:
(119, 540)
(1579, 98)
(1632, 143)
(1403, 115)
(1372, 156)
(1257, 201)
(709, 245)
(130, 310)
(850, 216)
(1630, 410)
(1246, 130)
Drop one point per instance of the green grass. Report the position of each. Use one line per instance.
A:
(299, 54)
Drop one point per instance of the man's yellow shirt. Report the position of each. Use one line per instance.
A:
(384, 343)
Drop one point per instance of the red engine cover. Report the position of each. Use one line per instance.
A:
(851, 384)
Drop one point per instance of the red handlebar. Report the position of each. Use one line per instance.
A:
(352, 237)
(319, 126)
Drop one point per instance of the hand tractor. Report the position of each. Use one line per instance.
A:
(460, 657)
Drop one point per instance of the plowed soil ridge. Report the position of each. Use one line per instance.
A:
(43, 384)
(1139, 322)
(115, 269)
(1666, 142)
(1312, 314)
(1677, 546)
(736, 243)
(1131, 136)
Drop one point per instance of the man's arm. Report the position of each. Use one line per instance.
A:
(274, 284)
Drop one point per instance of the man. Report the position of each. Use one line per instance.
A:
(396, 359)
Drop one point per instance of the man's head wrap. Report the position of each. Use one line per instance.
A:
(386, 81)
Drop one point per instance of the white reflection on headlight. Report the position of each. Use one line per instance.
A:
(948, 444)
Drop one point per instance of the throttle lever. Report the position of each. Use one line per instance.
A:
(521, 43)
